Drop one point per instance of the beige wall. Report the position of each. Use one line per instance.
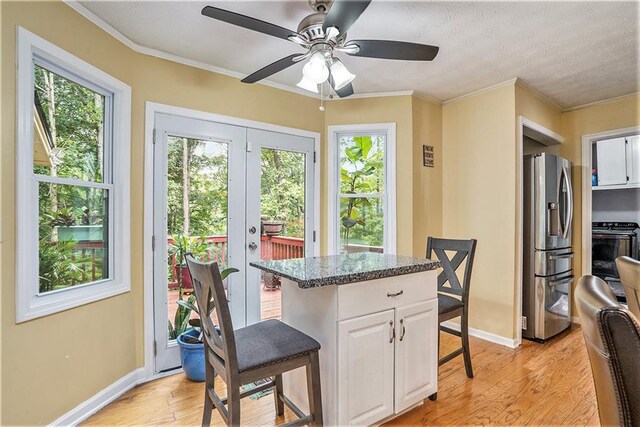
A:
(51, 364)
(398, 110)
(479, 200)
(427, 182)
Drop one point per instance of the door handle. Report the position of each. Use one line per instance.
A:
(569, 255)
(555, 283)
(253, 246)
(403, 329)
(570, 204)
(392, 331)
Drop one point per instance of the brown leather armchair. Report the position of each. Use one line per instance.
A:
(612, 335)
(629, 270)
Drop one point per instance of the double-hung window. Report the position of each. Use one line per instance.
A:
(362, 201)
(73, 181)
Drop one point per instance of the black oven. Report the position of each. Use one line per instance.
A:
(611, 240)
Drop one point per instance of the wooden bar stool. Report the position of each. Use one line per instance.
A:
(453, 295)
(262, 351)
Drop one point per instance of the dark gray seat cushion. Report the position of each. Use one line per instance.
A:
(448, 304)
(269, 342)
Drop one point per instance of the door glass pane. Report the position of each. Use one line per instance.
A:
(282, 215)
(197, 194)
(73, 235)
(361, 222)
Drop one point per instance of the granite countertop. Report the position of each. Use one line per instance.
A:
(346, 268)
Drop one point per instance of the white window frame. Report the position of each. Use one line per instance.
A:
(333, 182)
(29, 304)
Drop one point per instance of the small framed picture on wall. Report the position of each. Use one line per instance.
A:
(427, 154)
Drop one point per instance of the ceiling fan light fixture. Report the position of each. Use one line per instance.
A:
(316, 69)
(341, 76)
(307, 84)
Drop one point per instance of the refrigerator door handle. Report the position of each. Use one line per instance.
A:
(554, 283)
(562, 256)
(568, 210)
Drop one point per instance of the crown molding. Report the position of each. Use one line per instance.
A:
(542, 97)
(374, 95)
(428, 98)
(604, 101)
(480, 91)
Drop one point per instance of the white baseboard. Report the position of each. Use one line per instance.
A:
(100, 400)
(487, 336)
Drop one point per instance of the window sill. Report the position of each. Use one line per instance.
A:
(44, 305)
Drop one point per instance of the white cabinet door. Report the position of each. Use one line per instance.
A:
(416, 353)
(633, 159)
(612, 162)
(365, 369)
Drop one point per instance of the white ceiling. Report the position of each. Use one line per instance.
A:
(574, 53)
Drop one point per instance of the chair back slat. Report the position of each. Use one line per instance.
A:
(211, 295)
(464, 250)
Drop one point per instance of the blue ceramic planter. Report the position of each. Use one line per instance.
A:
(192, 356)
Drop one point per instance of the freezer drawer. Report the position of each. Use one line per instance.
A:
(552, 305)
(551, 263)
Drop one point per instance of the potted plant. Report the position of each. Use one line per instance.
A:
(272, 228)
(179, 247)
(191, 341)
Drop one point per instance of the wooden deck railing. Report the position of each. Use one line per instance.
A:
(271, 247)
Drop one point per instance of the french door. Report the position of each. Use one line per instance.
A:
(229, 194)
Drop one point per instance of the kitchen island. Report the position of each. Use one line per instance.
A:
(376, 317)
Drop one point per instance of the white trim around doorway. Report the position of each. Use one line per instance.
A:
(151, 109)
(587, 141)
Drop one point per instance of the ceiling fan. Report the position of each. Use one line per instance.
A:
(323, 33)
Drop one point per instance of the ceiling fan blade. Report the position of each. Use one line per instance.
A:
(271, 69)
(343, 92)
(389, 49)
(247, 22)
(343, 13)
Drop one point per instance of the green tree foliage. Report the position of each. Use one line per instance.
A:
(74, 116)
(282, 189)
(361, 172)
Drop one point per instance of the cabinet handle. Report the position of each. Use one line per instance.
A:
(393, 332)
(397, 294)
(403, 329)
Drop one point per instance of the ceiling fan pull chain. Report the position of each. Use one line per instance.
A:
(321, 96)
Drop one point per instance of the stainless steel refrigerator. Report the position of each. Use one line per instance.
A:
(547, 249)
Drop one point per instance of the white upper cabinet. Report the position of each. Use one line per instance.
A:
(633, 159)
(612, 162)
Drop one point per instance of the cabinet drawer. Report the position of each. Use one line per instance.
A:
(360, 298)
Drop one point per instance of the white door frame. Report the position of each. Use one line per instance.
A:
(550, 137)
(587, 201)
(151, 108)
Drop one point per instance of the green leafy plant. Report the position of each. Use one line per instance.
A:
(57, 267)
(360, 172)
(182, 245)
(190, 305)
(63, 217)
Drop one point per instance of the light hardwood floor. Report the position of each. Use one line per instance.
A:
(536, 384)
